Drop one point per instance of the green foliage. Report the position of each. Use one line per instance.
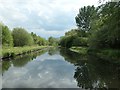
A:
(66, 41)
(98, 27)
(72, 32)
(53, 41)
(38, 40)
(77, 32)
(80, 41)
(7, 39)
(13, 51)
(35, 38)
(21, 37)
(74, 37)
(106, 29)
(83, 19)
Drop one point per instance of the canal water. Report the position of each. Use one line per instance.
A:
(59, 68)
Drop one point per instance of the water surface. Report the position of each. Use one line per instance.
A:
(59, 68)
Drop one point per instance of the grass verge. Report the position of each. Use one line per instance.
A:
(14, 51)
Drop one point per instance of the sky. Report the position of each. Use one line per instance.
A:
(43, 17)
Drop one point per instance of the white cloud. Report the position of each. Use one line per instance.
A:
(46, 33)
(54, 16)
(46, 56)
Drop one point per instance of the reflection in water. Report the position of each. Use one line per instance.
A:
(45, 71)
(72, 57)
(53, 50)
(20, 61)
(94, 72)
(59, 68)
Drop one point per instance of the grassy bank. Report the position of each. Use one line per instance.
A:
(80, 50)
(14, 51)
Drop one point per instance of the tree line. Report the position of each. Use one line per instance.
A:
(19, 37)
(98, 27)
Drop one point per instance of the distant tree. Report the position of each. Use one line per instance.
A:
(67, 41)
(38, 40)
(53, 41)
(21, 37)
(41, 41)
(35, 38)
(7, 39)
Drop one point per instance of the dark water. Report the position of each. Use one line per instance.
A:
(59, 68)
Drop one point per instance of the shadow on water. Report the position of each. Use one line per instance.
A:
(20, 61)
(93, 72)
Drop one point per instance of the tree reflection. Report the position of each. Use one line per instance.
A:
(5, 66)
(82, 77)
(53, 50)
(93, 72)
(72, 57)
(20, 61)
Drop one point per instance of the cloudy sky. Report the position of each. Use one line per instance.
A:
(44, 17)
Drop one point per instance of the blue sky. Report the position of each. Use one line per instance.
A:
(44, 17)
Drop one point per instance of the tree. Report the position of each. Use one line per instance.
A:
(53, 41)
(35, 38)
(83, 19)
(41, 41)
(72, 32)
(74, 37)
(21, 37)
(7, 39)
(67, 41)
(106, 29)
(112, 23)
(38, 40)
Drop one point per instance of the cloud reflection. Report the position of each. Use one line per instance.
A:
(44, 72)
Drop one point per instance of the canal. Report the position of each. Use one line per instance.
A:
(59, 68)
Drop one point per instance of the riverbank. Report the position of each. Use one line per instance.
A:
(111, 55)
(14, 51)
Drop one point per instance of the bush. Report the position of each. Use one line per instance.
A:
(67, 41)
(21, 37)
(80, 41)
